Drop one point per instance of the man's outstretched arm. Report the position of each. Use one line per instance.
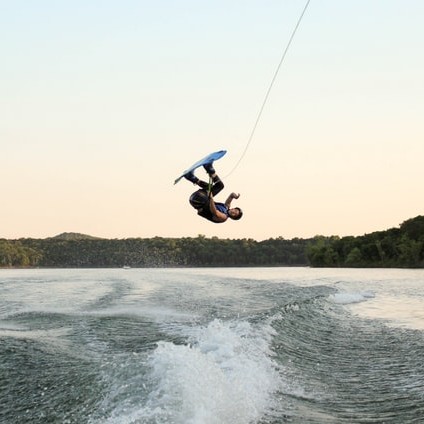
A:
(230, 199)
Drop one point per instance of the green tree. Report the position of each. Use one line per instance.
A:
(354, 258)
(411, 252)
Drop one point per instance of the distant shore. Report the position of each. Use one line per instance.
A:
(401, 247)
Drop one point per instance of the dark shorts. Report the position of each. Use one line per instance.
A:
(198, 199)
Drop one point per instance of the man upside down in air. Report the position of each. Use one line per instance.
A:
(203, 199)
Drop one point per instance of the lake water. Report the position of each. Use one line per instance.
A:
(212, 346)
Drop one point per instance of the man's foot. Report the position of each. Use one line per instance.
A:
(191, 177)
(209, 168)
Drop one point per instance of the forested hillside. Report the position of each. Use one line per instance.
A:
(80, 251)
(396, 247)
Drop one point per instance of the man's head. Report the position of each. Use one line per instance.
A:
(235, 213)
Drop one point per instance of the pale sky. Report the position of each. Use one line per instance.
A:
(104, 103)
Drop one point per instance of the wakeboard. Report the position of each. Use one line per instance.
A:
(207, 159)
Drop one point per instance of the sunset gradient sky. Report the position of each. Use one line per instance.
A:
(104, 103)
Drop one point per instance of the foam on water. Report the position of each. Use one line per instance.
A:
(52, 297)
(226, 374)
(345, 298)
(155, 313)
(397, 311)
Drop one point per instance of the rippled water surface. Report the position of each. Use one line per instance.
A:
(212, 346)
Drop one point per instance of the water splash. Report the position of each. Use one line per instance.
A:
(226, 374)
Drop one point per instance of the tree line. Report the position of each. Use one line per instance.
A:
(396, 247)
(401, 247)
(84, 252)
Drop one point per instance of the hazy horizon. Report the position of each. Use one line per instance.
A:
(71, 233)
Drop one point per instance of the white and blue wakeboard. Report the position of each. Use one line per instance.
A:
(207, 159)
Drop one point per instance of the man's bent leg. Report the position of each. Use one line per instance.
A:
(217, 186)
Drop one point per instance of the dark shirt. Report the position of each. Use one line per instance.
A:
(206, 212)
